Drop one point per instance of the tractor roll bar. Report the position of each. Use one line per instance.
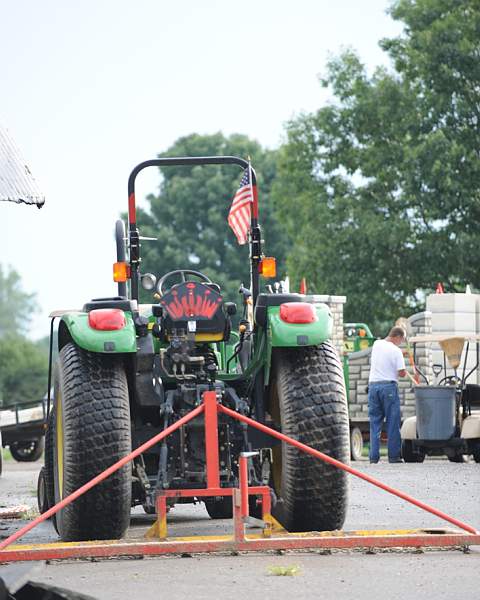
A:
(133, 234)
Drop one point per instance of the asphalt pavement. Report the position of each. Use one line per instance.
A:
(441, 574)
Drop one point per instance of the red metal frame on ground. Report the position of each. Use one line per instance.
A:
(268, 540)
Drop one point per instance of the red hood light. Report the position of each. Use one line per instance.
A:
(298, 312)
(106, 319)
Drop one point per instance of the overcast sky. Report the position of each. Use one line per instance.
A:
(89, 89)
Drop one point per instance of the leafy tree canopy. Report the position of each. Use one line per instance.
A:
(23, 371)
(16, 305)
(189, 214)
(23, 363)
(380, 190)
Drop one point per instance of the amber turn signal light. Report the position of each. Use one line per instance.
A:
(120, 272)
(268, 266)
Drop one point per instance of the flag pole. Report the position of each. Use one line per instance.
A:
(253, 190)
(255, 239)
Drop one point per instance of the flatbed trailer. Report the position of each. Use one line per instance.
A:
(22, 428)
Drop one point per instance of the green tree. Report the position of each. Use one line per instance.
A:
(23, 363)
(16, 306)
(380, 189)
(23, 371)
(189, 214)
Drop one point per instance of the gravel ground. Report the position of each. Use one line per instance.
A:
(453, 488)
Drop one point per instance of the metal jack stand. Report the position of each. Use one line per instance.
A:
(213, 489)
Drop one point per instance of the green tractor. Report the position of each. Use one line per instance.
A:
(126, 370)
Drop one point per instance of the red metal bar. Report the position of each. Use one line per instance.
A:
(211, 439)
(286, 541)
(209, 492)
(266, 503)
(340, 465)
(51, 511)
(243, 476)
(161, 508)
(344, 540)
(132, 212)
(238, 522)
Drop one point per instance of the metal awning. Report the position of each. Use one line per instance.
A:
(432, 338)
(17, 183)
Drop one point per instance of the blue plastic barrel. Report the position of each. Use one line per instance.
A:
(435, 407)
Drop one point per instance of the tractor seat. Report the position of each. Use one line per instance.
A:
(473, 395)
(192, 301)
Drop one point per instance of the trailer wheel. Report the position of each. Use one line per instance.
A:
(92, 432)
(27, 451)
(308, 402)
(410, 455)
(356, 444)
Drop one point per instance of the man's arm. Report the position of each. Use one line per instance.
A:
(402, 371)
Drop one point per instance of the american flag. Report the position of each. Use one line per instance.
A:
(241, 209)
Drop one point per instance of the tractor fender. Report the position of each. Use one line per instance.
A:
(471, 426)
(409, 429)
(282, 334)
(74, 326)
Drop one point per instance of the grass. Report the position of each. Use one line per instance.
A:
(287, 571)
(6, 454)
(30, 514)
(366, 448)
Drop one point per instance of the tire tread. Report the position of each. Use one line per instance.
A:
(312, 396)
(96, 421)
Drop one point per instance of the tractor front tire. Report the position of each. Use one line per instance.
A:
(92, 432)
(308, 402)
(46, 497)
(221, 508)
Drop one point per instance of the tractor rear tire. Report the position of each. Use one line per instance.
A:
(92, 432)
(409, 455)
(308, 402)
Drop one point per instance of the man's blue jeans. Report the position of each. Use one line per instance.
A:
(384, 403)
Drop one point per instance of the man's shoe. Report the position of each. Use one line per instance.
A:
(395, 460)
(374, 462)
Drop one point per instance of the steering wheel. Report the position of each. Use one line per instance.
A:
(182, 272)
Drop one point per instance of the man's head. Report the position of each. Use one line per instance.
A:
(396, 335)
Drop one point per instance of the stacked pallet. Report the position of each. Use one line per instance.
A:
(455, 315)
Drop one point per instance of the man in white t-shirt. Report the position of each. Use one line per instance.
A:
(386, 366)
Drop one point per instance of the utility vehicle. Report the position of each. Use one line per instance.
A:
(126, 370)
(447, 420)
